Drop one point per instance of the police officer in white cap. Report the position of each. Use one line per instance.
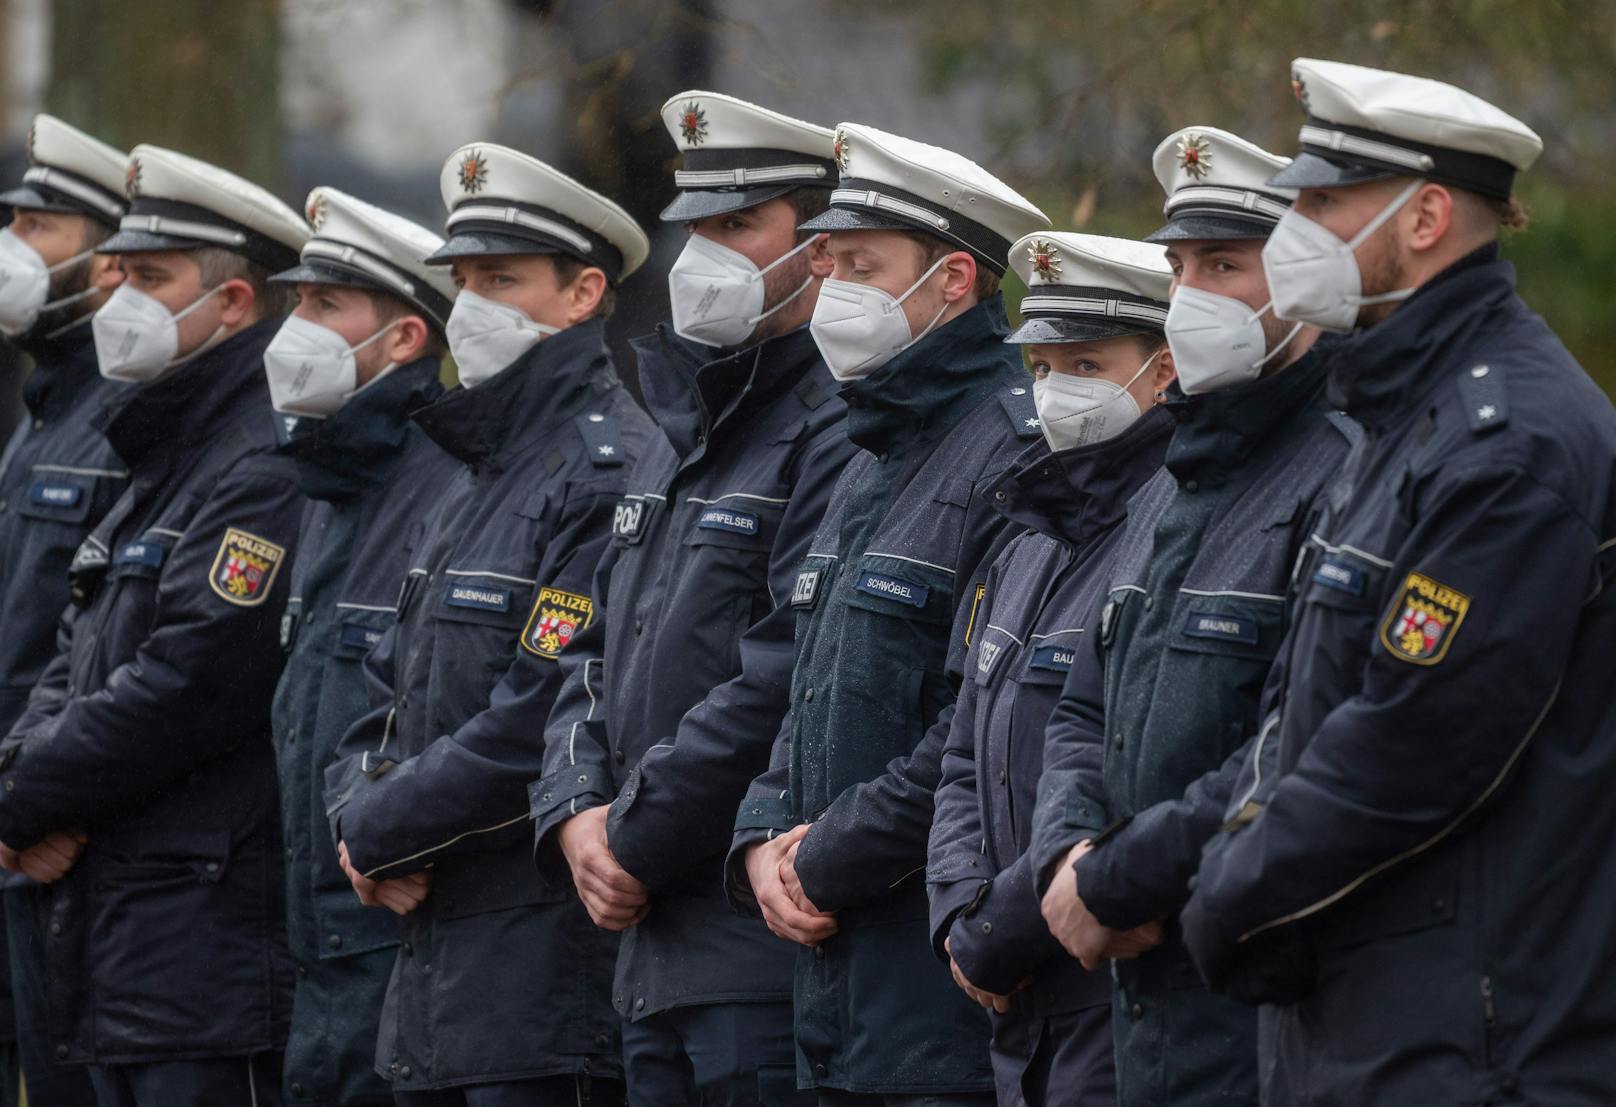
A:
(829, 845)
(1415, 870)
(716, 519)
(58, 475)
(1196, 615)
(501, 989)
(356, 358)
(140, 780)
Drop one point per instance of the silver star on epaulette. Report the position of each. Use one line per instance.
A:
(1485, 412)
(1034, 423)
(606, 451)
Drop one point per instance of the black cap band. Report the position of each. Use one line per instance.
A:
(369, 270)
(1100, 304)
(855, 194)
(189, 226)
(1394, 154)
(533, 223)
(76, 193)
(752, 168)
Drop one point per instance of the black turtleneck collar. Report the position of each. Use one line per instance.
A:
(64, 365)
(1389, 369)
(1077, 494)
(931, 385)
(186, 406)
(557, 378)
(357, 447)
(691, 389)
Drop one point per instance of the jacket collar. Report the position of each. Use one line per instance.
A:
(359, 445)
(1078, 494)
(64, 368)
(154, 421)
(932, 384)
(1391, 367)
(691, 393)
(523, 402)
(1219, 430)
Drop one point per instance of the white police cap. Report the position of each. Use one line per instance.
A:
(737, 155)
(361, 245)
(888, 182)
(1370, 124)
(1085, 287)
(70, 171)
(1217, 186)
(502, 201)
(177, 202)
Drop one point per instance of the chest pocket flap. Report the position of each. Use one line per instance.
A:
(485, 598)
(1346, 579)
(359, 629)
(901, 587)
(1233, 624)
(737, 521)
(1050, 657)
(66, 498)
(141, 557)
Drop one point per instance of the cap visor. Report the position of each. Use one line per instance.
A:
(1314, 171)
(1196, 226)
(137, 242)
(854, 219)
(315, 273)
(1053, 329)
(469, 244)
(699, 203)
(25, 197)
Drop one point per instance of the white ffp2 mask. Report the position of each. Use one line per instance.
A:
(137, 337)
(859, 328)
(1217, 341)
(717, 293)
(25, 283)
(312, 370)
(485, 336)
(1079, 411)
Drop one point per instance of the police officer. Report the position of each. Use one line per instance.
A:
(1092, 330)
(500, 991)
(140, 780)
(58, 476)
(1193, 616)
(670, 717)
(1416, 871)
(355, 359)
(913, 325)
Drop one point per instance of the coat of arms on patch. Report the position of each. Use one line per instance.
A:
(245, 568)
(693, 123)
(1045, 260)
(558, 617)
(473, 171)
(1195, 155)
(1420, 626)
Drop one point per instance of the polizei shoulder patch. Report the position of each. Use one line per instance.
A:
(245, 568)
(1420, 626)
(558, 617)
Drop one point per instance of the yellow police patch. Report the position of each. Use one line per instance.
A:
(1420, 626)
(245, 568)
(558, 617)
(976, 602)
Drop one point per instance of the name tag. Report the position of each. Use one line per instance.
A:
(478, 597)
(55, 495)
(626, 518)
(986, 654)
(360, 637)
(806, 588)
(735, 522)
(140, 553)
(1057, 659)
(1225, 628)
(893, 588)
(1335, 573)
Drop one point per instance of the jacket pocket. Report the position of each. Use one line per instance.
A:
(493, 881)
(358, 630)
(1228, 624)
(1421, 894)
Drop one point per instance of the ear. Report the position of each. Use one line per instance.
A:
(820, 262)
(409, 336)
(1165, 371)
(239, 303)
(584, 294)
(106, 271)
(959, 276)
(1431, 212)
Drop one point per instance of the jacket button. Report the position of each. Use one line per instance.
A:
(10, 784)
(821, 1071)
(639, 1004)
(61, 1049)
(639, 626)
(1510, 1085)
(1192, 486)
(297, 1089)
(309, 618)
(1117, 741)
(407, 950)
(56, 928)
(1003, 776)
(1150, 602)
(819, 953)
(603, 1039)
(1138, 1011)
(288, 853)
(1439, 906)
(882, 459)
(405, 1072)
(301, 971)
(212, 866)
(618, 756)
(393, 1068)
(808, 696)
(334, 941)
(987, 928)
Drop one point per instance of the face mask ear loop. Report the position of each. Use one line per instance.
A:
(1386, 213)
(1134, 379)
(1283, 342)
(74, 260)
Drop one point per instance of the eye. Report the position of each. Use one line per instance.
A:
(500, 280)
(1040, 370)
(1086, 366)
(733, 224)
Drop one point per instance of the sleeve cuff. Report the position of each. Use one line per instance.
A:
(765, 814)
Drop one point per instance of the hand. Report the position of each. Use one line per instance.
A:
(1078, 931)
(979, 996)
(793, 885)
(784, 917)
(49, 859)
(400, 895)
(613, 898)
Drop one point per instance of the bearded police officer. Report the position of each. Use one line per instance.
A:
(1135, 774)
(500, 990)
(913, 325)
(140, 779)
(57, 478)
(668, 713)
(357, 357)
(1416, 867)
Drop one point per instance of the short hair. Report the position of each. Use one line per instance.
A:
(932, 248)
(96, 232)
(567, 269)
(390, 308)
(808, 202)
(219, 265)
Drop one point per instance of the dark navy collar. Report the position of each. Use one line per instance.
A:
(64, 368)
(359, 445)
(557, 378)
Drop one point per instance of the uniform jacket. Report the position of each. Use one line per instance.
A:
(500, 975)
(903, 544)
(150, 730)
(673, 699)
(370, 473)
(1194, 614)
(1425, 815)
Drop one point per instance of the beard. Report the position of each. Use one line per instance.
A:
(1381, 270)
(68, 282)
(779, 285)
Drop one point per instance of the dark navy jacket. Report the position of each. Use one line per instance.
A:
(1194, 614)
(672, 704)
(150, 730)
(904, 541)
(1428, 813)
(500, 974)
(1041, 605)
(371, 474)
(58, 476)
